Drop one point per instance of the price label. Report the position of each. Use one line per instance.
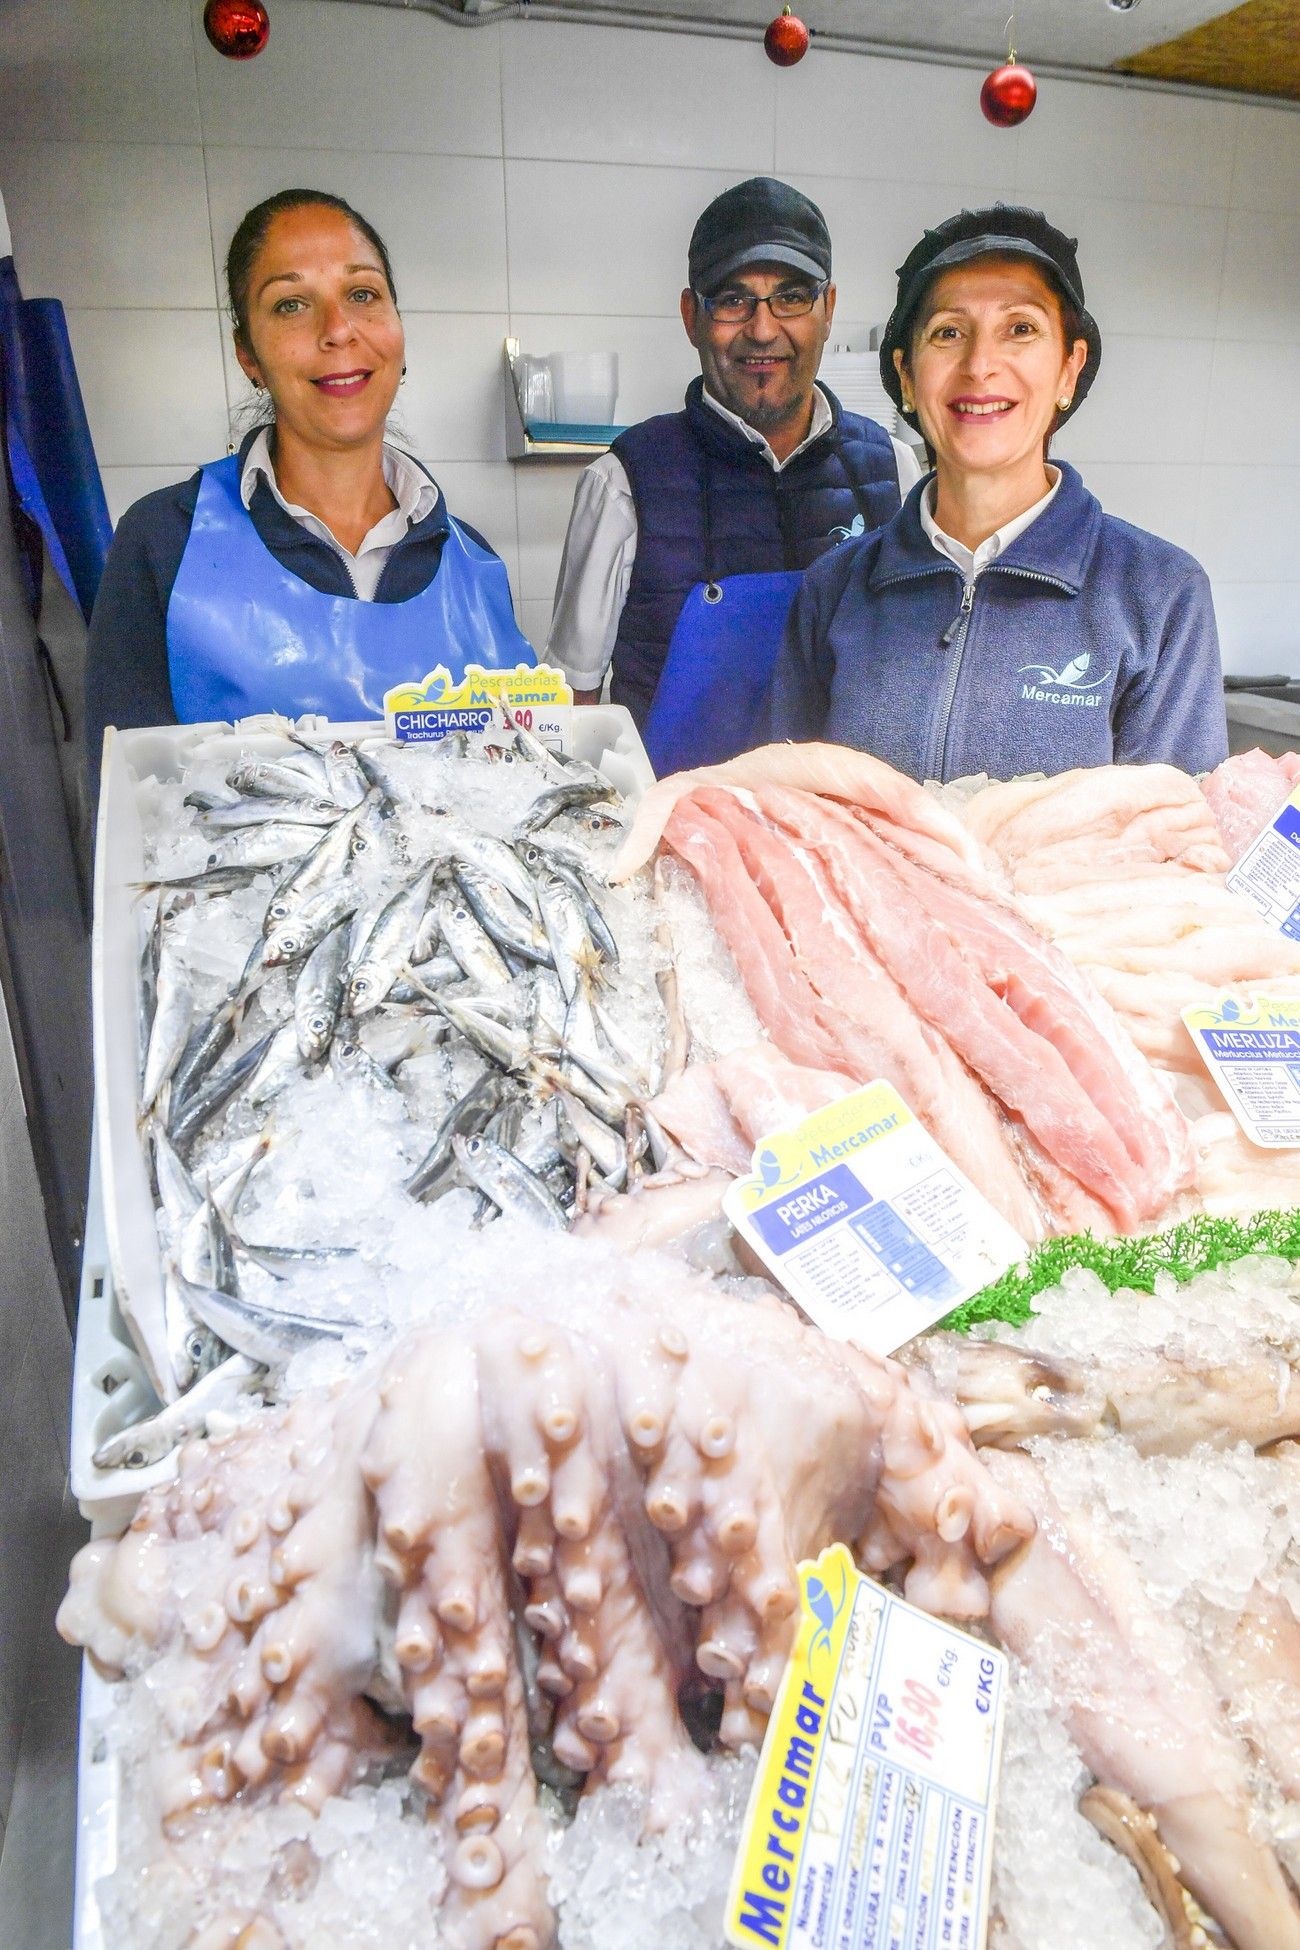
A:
(1251, 1047)
(1268, 872)
(538, 698)
(867, 1223)
(870, 1818)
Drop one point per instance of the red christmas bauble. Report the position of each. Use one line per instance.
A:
(239, 29)
(1008, 96)
(786, 40)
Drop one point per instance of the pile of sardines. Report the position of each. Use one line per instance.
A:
(386, 947)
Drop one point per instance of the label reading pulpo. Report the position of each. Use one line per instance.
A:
(867, 1223)
(1268, 872)
(538, 698)
(870, 1821)
(1251, 1047)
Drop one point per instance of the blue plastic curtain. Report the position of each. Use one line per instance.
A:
(51, 456)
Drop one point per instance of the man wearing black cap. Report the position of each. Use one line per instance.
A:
(688, 539)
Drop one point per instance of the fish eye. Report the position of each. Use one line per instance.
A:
(194, 1347)
(136, 1459)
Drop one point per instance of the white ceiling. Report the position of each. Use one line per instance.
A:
(1071, 33)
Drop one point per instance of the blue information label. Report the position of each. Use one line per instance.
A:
(902, 1253)
(817, 1203)
(429, 727)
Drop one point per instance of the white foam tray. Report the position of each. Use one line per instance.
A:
(120, 1373)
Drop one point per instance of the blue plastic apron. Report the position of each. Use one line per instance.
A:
(708, 702)
(706, 705)
(245, 634)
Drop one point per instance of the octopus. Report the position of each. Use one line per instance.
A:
(541, 1539)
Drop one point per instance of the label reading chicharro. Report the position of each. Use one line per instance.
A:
(1268, 872)
(870, 1822)
(867, 1223)
(1251, 1047)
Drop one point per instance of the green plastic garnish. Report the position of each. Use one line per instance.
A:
(1196, 1245)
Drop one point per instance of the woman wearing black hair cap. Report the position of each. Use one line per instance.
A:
(319, 566)
(1001, 622)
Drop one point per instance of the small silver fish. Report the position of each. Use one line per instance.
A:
(318, 915)
(271, 1335)
(216, 1092)
(491, 857)
(149, 1441)
(436, 1171)
(246, 815)
(171, 1025)
(562, 798)
(574, 954)
(508, 1183)
(323, 867)
(279, 1065)
(510, 1048)
(500, 914)
(177, 1188)
(388, 949)
(318, 995)
(270, 778)
(579, 1125)
(470, 943)
(351, 1062)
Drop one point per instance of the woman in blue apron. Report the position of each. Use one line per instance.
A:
(319, 566)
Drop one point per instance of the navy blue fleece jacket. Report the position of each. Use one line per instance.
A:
(1088, 642)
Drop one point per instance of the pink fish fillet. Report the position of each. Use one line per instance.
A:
(693, 1109)
(832, 770)
(786, 1003)
(1024, 1070)
(879, 1032)
(766, 1091)
(1244, 793)
(1053, 999)
(719, 1111)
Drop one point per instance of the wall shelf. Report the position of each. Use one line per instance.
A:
(522, 443)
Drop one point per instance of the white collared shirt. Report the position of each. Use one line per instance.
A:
(971, 561)
(600, 547)
(416, 496)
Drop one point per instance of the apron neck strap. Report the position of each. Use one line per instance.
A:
(706, 511)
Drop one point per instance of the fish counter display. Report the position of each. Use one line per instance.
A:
(492, 1460)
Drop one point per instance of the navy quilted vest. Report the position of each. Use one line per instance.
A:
(755, 521)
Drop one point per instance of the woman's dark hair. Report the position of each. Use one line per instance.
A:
(251, 235)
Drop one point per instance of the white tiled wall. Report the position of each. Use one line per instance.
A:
(543, 180)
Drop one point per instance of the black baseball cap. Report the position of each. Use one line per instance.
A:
(1005, 230)
(761, 221)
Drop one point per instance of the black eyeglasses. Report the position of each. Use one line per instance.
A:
(738, 307)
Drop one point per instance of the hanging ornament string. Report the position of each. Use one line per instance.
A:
(1009, 93)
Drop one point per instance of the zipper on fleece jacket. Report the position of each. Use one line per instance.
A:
(954, 641)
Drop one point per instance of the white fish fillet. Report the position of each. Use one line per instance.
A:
(834, 771)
